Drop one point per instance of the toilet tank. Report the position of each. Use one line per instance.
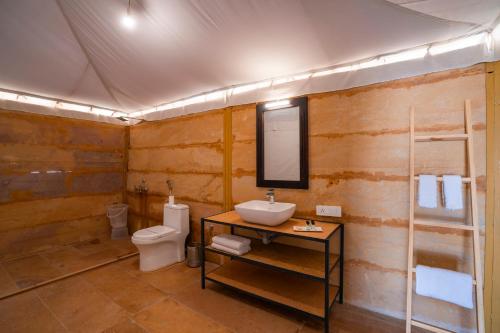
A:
(177, 217)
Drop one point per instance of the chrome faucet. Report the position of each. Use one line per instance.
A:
(270, 195)
(142, 187)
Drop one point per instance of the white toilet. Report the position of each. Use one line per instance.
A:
(163, 245)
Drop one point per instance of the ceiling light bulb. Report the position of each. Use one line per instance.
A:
(128, 22)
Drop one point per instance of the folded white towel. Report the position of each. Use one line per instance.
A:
(427, 191)
(230, 250)
(452, 192)
(232, 241)
(446, 285)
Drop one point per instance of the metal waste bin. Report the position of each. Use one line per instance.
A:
(193, 254)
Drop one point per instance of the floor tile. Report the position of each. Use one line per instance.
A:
(26, 313)
(120, 298)
(29, 271)
(229, 308)
(124, 246)
(127, 291)
(98, 247)
(172, 317)
(66, 259)
(7, 284)
(131, 265)
(174, 278)
(350, 319)
(80, 306)
(91, 246)
(126, 326)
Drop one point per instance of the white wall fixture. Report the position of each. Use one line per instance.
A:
(334, 211)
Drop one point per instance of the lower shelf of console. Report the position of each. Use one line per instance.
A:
(293, 291)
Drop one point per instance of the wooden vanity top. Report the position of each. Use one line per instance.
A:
(233, 218)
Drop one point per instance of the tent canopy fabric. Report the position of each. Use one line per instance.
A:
(78, 50)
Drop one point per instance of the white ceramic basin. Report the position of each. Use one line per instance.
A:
(263, 212)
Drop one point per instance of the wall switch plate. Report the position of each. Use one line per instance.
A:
(335, 211)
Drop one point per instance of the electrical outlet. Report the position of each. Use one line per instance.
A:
(335, 211)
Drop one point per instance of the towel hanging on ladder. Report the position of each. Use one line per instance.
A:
(446, 285)
(427, 191)
(452, 192)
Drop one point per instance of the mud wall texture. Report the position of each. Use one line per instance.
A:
(359, 159)
(189, 152)
(57, 177)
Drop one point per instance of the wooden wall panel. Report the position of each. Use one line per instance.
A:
(492, 259)
(187, 150)
(57, 178)
(358, 155)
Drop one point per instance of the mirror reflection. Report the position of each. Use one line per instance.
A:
(282, 144)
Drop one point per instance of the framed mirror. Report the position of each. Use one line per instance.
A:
(282, 144)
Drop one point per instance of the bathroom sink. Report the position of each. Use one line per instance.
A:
(264, 212)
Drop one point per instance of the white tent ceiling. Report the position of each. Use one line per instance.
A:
(78, 50)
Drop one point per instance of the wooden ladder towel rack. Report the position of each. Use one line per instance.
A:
(474, 228)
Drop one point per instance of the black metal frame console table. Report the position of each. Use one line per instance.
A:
(262, 272)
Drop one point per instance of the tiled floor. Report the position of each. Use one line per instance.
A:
(119, 298)
(26, 271)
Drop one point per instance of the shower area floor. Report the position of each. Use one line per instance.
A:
(20, 272)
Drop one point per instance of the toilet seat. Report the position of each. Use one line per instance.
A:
(164, 244)
(153, 233)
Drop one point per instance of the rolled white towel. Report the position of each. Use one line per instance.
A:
(239, 252)
(452, 192)
(231, 241)
(446, 285)
(427, 191)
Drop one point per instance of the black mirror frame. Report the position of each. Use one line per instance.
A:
(303, 183)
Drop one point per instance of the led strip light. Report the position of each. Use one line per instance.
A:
(58, 104)
(485, 37)
(406, 55)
